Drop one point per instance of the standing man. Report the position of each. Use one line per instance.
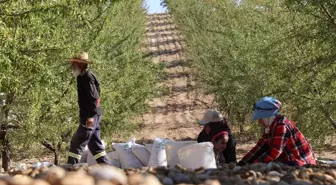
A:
(88, 132)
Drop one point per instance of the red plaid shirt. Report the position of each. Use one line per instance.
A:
(285, 143)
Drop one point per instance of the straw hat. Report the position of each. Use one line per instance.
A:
(83, 57)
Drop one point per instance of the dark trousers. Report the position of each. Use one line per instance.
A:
(87, 136)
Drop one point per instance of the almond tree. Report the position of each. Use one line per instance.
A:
(39, 93)
(243, 51)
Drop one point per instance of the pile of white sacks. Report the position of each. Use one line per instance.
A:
(162, 152)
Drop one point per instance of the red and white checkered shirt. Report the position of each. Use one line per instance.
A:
(285, 143)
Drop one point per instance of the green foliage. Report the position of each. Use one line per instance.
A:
(281, 48)
(37, 86)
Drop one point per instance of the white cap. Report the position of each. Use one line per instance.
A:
(210, 116)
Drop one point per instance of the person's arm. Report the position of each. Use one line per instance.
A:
(259, 153)
(277, 144)
(255, 151)
(230, 151)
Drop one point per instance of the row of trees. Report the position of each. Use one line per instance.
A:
(244, 50)
(38, 93)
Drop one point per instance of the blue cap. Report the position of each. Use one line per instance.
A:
(265, 108)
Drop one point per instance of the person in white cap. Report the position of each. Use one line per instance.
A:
(90, 112)
(213, 123)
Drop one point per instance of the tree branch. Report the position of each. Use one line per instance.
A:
(57, 101)
(327, 114)
(6, 127)
(65, 136)
(34, 10)
(48, 145)
(330, 17)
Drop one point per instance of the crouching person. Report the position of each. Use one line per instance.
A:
(214, 123)
(219, 142)
(282, 142)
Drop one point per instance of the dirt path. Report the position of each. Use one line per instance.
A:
(174, 115)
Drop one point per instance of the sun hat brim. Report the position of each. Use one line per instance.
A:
(203, 122)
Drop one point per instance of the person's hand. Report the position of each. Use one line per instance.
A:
(89, 123)
(241, 163)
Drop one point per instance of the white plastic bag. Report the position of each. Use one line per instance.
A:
(149, 147)
(158, 154)
(114, 158)
(141, 153)
(197, 155)
(171, 151)
(126, 156)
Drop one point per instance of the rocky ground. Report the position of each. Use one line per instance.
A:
(256, 174)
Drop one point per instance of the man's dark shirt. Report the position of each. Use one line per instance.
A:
(88, 95)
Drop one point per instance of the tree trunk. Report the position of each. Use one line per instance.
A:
(241, 123)
(56, 150)
(56, 159)
(49, 146)
(241, 128)
(5, 154)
